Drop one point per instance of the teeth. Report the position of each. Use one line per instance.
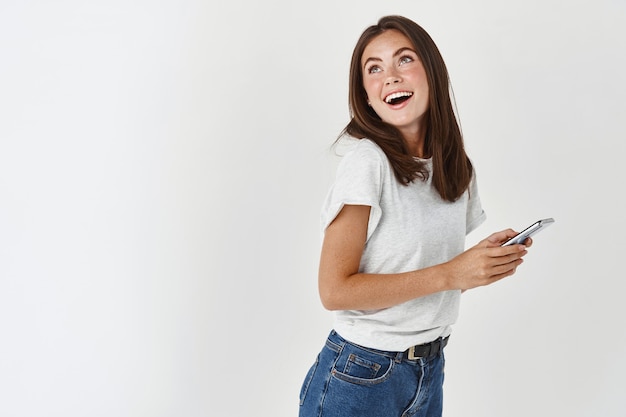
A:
(397, 95)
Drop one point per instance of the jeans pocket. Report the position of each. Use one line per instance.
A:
(308, 379)
(361, 366)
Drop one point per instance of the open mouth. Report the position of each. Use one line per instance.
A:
(398, 97)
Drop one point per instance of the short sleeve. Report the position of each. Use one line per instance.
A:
(475, 215)
(358, 181)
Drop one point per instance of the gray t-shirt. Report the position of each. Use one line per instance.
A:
(410, 227)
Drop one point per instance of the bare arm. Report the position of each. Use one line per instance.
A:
(342, 287)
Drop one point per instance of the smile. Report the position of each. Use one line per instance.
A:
(398, 97)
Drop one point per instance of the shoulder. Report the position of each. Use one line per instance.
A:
(362, 160)
(364, 150)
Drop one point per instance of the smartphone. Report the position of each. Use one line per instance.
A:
(529, 231)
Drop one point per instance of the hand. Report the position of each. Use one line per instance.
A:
(487, 262)
(500, 237)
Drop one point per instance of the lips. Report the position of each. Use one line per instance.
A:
(398, 97)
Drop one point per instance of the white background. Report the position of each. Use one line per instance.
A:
(162, 166)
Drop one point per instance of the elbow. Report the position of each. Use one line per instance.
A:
(336, 291)
(330, 298)
(329, 301)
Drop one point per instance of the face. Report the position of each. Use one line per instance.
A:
(395, 82)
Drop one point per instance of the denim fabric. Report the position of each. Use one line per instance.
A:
(349, 380)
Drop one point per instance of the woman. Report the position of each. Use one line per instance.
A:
(393, 264)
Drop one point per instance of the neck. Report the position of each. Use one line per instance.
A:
(415, 142)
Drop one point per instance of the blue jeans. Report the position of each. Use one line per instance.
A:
(350, 380)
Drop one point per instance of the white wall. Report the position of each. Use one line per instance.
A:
(162, 165)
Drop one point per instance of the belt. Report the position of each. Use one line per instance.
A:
(427, 349)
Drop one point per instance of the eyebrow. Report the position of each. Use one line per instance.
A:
(398, 52)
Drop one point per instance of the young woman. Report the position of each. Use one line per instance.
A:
(393, 264)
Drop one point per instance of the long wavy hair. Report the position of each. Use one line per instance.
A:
(451, 167)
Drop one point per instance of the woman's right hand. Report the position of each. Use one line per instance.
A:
(486, 262)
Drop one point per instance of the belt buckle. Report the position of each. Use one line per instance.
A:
(412, 356)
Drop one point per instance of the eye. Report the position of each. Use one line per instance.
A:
(374, 69)
(406, 59)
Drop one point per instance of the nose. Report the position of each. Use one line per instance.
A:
(393, 78)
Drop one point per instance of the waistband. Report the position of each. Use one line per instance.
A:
(425, 350)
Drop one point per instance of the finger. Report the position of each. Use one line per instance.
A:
(500, 237)
(508, 260)
(506, 251)
(498, 277)
(506, 269)
(511, 249)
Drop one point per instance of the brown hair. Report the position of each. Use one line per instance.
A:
(452, 169)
